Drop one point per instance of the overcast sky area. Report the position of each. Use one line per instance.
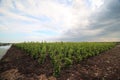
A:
(59, 20)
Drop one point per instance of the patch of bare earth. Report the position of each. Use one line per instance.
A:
(17, 65)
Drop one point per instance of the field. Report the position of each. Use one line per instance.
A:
(61, 56)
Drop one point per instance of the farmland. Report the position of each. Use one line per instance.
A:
(63, 54)
(62, 60)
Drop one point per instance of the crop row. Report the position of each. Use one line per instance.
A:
(63, 54)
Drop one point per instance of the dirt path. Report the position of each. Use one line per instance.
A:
(16, 65)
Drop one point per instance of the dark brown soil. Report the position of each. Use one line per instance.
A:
(17, 65)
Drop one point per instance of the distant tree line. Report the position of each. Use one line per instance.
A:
(4, 44)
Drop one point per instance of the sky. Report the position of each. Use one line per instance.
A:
(59, 20)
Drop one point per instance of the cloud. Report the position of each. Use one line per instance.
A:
(60, 20)
(103, 24)
(107, 18)
(27, 11)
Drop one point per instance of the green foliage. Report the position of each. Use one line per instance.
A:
(67, 62)
(63, 54)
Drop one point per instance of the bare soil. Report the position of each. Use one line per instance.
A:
(17, 65)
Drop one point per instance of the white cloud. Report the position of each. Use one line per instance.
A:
(96, 4)
(64, 19)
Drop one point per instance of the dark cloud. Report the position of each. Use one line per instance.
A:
(106, 19)
(107, 15)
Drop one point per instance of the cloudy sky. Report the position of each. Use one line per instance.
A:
(59, 20)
